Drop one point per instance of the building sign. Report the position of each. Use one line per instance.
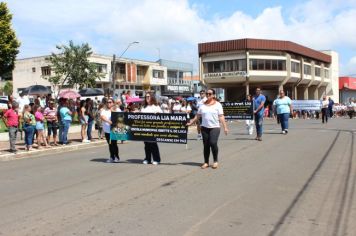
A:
(177, 89)
(225, 74)
(307, 105)
(238, 110)
(150, 127)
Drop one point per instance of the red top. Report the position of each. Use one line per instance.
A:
(12, 118)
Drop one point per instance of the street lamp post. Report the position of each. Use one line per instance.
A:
(113, 66)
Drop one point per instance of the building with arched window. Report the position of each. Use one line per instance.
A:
(239, 66)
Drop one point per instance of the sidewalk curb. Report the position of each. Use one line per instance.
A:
(34, 153)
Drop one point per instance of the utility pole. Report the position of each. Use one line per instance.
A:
(113, 75)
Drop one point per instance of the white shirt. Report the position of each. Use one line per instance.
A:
(325, 103)
(210, 115)
(151, 109)
(186, 109)
(201, 102)
(176, 108)
(22, 101)
(107, 114)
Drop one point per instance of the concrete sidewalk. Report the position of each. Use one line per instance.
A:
(74, 138)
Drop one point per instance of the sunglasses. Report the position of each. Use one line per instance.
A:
(209, 94)
(110, 102)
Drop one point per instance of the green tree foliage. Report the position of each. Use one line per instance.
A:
(71, 67)
(8, 42)
(8, 88)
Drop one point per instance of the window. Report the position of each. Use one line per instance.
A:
(295, 67)
(268, 65)
(101, 68)
(326, 72)
(317, 71)
(281, 65)
(274, 65)
(158, 74)
(261, 64)
(33, 69)
(172, 74)
(307, 69)
(253, 64)
(46, 70)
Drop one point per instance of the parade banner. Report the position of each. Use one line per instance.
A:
(238, 110)
(150, 127)
(307, 105)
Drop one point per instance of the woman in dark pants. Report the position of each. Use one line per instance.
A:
(212, 116)
(151, 148)
(105, 116)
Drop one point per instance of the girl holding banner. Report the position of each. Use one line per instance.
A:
(105, 116)
(151, 148)
(212, 116)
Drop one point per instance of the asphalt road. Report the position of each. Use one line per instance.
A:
(302, 183)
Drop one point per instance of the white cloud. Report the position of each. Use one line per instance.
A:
(176, 26)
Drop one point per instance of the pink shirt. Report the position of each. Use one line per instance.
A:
(39, 116)
(12, 118)
(51, 113)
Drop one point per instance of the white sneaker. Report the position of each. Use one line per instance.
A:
(145, 162)
(117, 160)
(283, 132)
(86, 141)
(155, 163)
(110, 160)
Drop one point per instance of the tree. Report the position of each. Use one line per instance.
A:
(8, 42)
(71, 67)
(8, 88)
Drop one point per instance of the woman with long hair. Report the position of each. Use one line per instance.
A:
(105, 116)
(151, 148)
(212, 115)
(40, 126)
(83, 118)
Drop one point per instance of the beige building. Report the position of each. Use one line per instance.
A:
(130, 74)
(239, 66)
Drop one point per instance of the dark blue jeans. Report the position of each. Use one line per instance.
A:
(29, 131)
(259, 124)
(284, 118)
(66, 125)
(89, 128)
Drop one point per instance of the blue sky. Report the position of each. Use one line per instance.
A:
(175, 27)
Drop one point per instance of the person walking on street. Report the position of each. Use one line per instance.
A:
(249, 123)
(11, 120)
(258, 104)
(151, 148)
(212, 116)
(283, 105)
(330, 107)
(105, 116)
(324, 110)
(50, 113)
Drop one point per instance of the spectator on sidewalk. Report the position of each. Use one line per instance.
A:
(11, 120)
(66, 120)
(89, 108)
(83, 118)
(40, 127)
(50, 113)
(29, 126)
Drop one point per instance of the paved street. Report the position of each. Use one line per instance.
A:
(302, 183)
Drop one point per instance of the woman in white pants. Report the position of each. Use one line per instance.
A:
(249, 123)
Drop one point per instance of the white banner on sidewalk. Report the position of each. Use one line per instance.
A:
(307, 105)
